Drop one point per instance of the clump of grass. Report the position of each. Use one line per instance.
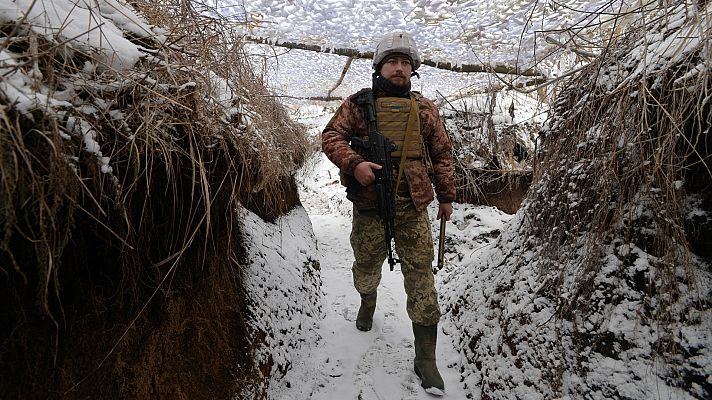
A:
(627, 146)
(90, 240)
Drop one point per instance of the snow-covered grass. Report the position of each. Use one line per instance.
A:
(342, 362)
(524, 340)
(96, 28)
(566, 305)
(510, 329)
(525, 325)
(145, 153)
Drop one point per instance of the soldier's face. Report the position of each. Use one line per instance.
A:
(397, 70)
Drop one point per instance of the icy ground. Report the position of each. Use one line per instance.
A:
(347, 363)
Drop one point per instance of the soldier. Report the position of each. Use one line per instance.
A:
(413, 123)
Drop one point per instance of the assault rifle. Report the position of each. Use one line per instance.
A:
(377, 149)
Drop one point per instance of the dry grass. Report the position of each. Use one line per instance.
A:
(493, 164)
(618, 162)
(83, 249)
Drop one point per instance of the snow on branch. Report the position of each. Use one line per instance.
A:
(497, 68)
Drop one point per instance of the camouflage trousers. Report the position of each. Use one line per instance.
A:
(414, 246)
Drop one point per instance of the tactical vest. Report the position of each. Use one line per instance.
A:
(392, 115)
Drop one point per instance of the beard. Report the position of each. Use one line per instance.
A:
(391, 88)
(399, 80)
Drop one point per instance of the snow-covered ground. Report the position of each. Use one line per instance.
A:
(299, 282)
(331, 359)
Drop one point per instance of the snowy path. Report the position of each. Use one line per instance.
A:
(347, 363)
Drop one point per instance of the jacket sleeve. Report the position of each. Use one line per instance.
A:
(336, 136)
(440, 153)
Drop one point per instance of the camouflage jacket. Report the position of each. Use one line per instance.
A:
(349, 121)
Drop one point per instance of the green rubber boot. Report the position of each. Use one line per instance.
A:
(425, 366)
(364, 320)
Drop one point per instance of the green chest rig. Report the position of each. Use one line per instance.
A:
(398, 119)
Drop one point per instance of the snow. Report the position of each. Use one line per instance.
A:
(337, 361)
(500, 333)
(498, 315)
(680, 32)
(93, 26)
(491, 32)
(88, 25)
(455, 31)
(304, 73)
(282, 283)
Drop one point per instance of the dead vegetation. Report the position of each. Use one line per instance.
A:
(493, 160)
(625, 150)
(623, 178)
(600, 286)
(119, 250)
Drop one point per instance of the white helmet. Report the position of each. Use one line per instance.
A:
(396, 42)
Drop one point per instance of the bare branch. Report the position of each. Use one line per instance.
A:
(573, 49)
(341, 78)
(498, 68)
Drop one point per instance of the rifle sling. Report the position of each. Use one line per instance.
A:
(413, 118)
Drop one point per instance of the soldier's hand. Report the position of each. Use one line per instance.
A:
(364, 172)
(444, 211)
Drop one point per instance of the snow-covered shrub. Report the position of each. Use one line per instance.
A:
(493, 136)
(126, 152)
(600, 286)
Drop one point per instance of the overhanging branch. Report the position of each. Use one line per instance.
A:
(499, 68)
